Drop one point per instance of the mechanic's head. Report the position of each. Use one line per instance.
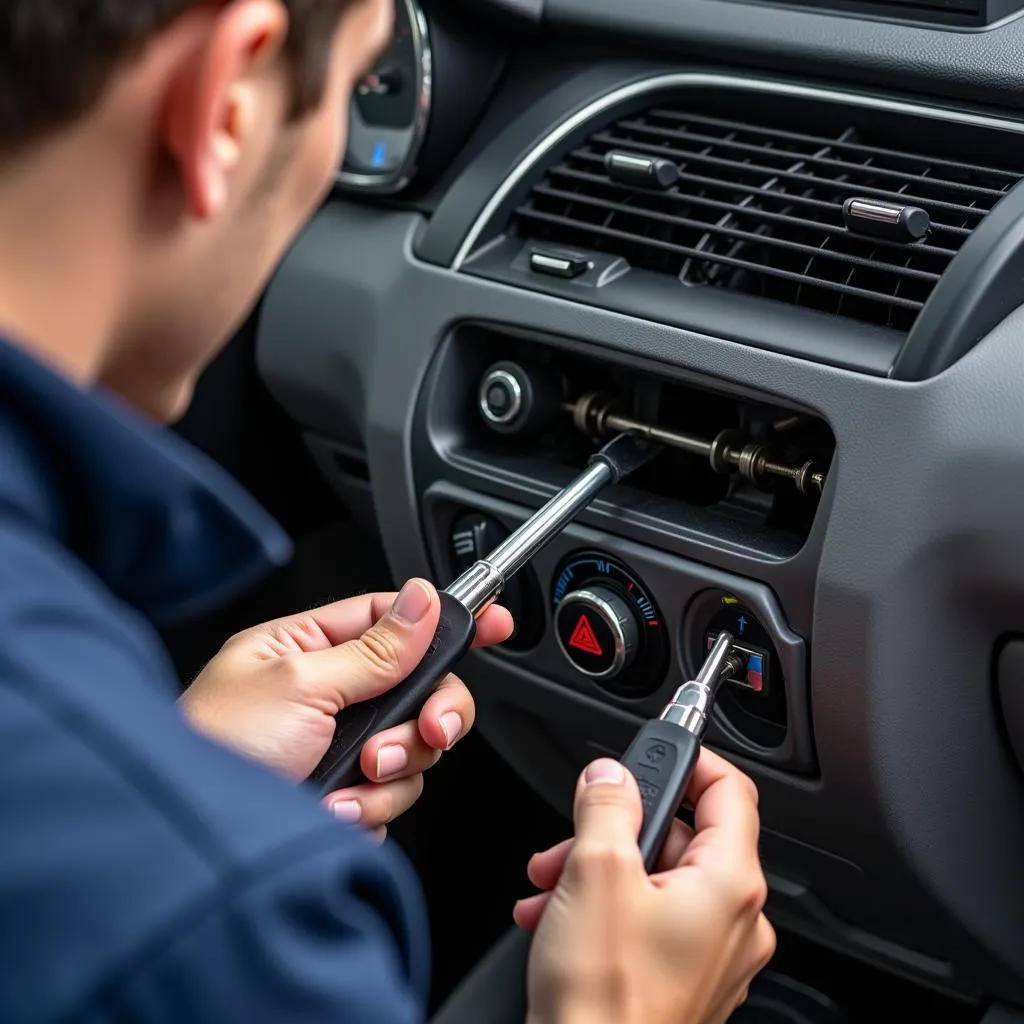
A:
(156, 159)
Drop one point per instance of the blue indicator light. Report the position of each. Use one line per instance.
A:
(380, 154)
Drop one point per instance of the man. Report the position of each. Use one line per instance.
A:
(158, 860)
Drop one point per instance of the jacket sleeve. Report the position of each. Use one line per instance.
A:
(308, 938)
(149, 875)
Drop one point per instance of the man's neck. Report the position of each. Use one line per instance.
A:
(61, 267)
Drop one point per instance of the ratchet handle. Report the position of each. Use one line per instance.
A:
(339, 768)
(661, 758)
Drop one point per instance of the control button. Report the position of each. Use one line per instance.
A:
(597, 631)
(501, 397)
(473, 536)
(634, 621)
(558, 264)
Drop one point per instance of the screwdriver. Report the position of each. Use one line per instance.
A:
(462, 602)
(664, 752)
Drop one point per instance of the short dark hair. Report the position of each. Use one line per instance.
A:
(57, 56)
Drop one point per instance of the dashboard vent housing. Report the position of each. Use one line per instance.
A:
(758, 204)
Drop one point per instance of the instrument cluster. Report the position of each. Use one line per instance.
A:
(390, 109)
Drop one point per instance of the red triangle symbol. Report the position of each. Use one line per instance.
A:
(583, 638)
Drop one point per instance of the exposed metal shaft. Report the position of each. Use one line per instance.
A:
(595, 415)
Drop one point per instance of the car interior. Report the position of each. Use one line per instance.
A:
(787, 240)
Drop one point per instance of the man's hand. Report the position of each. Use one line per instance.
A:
(613, 943)
(273, 691)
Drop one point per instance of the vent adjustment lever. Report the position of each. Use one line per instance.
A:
(892, 221)
(640, 171)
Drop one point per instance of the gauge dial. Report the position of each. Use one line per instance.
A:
(390, 108)
(608, 625)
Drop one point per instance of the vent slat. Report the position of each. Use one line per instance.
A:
(757, 205)
(724, 231)
(768, 216)
(820, 140)
(764, 195)
(729, 261)
(767, 152)
(775, 173)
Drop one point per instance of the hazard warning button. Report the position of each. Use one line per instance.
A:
(597, 631)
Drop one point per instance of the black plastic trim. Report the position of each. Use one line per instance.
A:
(998, 1014)
(980, 288)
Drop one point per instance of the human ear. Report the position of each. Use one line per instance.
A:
(219, 95)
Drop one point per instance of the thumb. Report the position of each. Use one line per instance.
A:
(384, 655)
(608, 811)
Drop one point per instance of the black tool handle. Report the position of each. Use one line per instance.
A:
(662, 759)
(355, 725)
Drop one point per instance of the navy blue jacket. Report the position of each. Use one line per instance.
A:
(146, 874)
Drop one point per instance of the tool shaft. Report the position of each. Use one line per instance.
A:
(481, 584)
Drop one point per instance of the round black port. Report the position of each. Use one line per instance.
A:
(473, 536)
(752, 707)
(608, 625)
(504, 392)
(517, 398)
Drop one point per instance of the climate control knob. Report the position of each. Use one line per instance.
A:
(609, 626)
(598, 631)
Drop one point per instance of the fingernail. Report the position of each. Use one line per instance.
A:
(604, 771)
(451, 726)
(413, 603)
(348, 811)
(391, 760)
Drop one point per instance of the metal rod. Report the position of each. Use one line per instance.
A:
(481, 585)
(509, 557)
(594, 414)
(691, 704)
(694, 445)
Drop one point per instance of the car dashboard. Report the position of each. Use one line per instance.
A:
(788, 241)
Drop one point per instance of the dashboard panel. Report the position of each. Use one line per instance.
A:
(849, 472)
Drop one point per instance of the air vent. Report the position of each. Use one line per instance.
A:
(757, 207)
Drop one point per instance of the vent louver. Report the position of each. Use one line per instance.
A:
(758, 209)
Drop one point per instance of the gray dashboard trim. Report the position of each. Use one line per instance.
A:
(984, 66)
(687, 79)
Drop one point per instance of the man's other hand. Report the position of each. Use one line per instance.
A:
(273, 691)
